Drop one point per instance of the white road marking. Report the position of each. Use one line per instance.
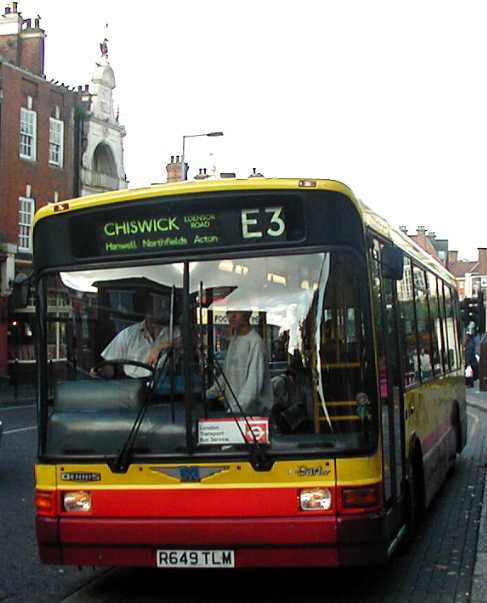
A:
(2, 408)
(476, 421)
(19, 430)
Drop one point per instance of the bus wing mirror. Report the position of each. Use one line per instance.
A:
(20, 290)
(392, 260)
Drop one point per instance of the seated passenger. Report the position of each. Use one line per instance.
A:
(245, 368)
(144, 341)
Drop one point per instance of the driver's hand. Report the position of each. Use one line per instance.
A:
(156, 351)
(94, 373)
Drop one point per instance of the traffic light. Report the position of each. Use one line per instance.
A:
(473, 311)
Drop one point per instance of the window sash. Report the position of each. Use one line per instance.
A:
(26, 215)
(28, 132)
(56, 140)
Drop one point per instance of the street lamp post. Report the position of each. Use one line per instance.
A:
(183, 166)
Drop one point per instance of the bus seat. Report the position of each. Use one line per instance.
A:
(97, 394)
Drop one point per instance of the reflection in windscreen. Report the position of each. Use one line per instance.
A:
(278, 353)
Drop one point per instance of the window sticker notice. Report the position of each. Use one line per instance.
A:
(226, 431)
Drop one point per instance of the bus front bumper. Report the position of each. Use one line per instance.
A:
(317, 541)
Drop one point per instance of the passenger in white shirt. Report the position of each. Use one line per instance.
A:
(246, 370)
(145, 341)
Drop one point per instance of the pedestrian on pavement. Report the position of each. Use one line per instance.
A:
(471, 362)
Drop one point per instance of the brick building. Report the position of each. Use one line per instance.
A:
(470, 275)
(56, 143)
(36, 164)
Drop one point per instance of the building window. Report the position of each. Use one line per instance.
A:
(28, 134)
(56, 140)
(26, 215)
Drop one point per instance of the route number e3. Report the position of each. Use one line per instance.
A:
(254, 226)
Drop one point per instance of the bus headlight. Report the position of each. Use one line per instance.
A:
(77, 502)
(315, 499)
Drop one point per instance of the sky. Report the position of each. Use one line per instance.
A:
(389, 97)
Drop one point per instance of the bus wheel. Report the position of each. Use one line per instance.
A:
(457, 429)
(414, 498)
(411, 513)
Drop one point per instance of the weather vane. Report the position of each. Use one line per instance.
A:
(104, 44)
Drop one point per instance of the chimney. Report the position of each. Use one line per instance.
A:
(10, 27)
(14, 7)
(403, 229)
(420, 230)
(452, 257)
(174, 169)
(32, 46)
(483, 261)
(202, 175)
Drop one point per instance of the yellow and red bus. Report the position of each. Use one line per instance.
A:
(360, 329)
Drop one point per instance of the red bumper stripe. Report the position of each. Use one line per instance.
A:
(250, 557)
(192, 532)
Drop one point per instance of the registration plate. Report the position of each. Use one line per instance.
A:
(195, 558)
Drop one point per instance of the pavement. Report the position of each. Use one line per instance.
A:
(478, 399)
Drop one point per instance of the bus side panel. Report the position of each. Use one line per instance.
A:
(431, 411)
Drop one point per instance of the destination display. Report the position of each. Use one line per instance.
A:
(149, 228)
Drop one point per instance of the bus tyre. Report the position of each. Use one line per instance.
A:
(412, 510)
(414, 500)
(457, 430)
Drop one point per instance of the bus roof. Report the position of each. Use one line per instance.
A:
(370, 218)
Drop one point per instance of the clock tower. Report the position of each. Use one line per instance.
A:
(102, 135)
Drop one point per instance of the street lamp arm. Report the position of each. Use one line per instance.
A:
(183, 166)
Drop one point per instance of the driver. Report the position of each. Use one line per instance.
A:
(145, 341)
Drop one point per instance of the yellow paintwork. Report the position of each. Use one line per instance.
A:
(430, 405)
(369, 217)
(283, 474)
(359, 472)
(46, 476)
(188, 188)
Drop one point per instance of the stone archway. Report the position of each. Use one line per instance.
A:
(104, 161)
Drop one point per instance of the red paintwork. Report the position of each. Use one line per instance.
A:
(258, 502)
(144, 521)
(199, 532)
(251, 557)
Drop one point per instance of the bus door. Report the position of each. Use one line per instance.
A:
(390, 380)
(395, 400)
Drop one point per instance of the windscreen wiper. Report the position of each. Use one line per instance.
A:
(259, 457)
(121, 462)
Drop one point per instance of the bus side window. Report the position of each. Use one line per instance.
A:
(423, 323)
(407, 326)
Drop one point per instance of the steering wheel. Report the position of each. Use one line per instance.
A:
(160, 372)
(120, 362)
